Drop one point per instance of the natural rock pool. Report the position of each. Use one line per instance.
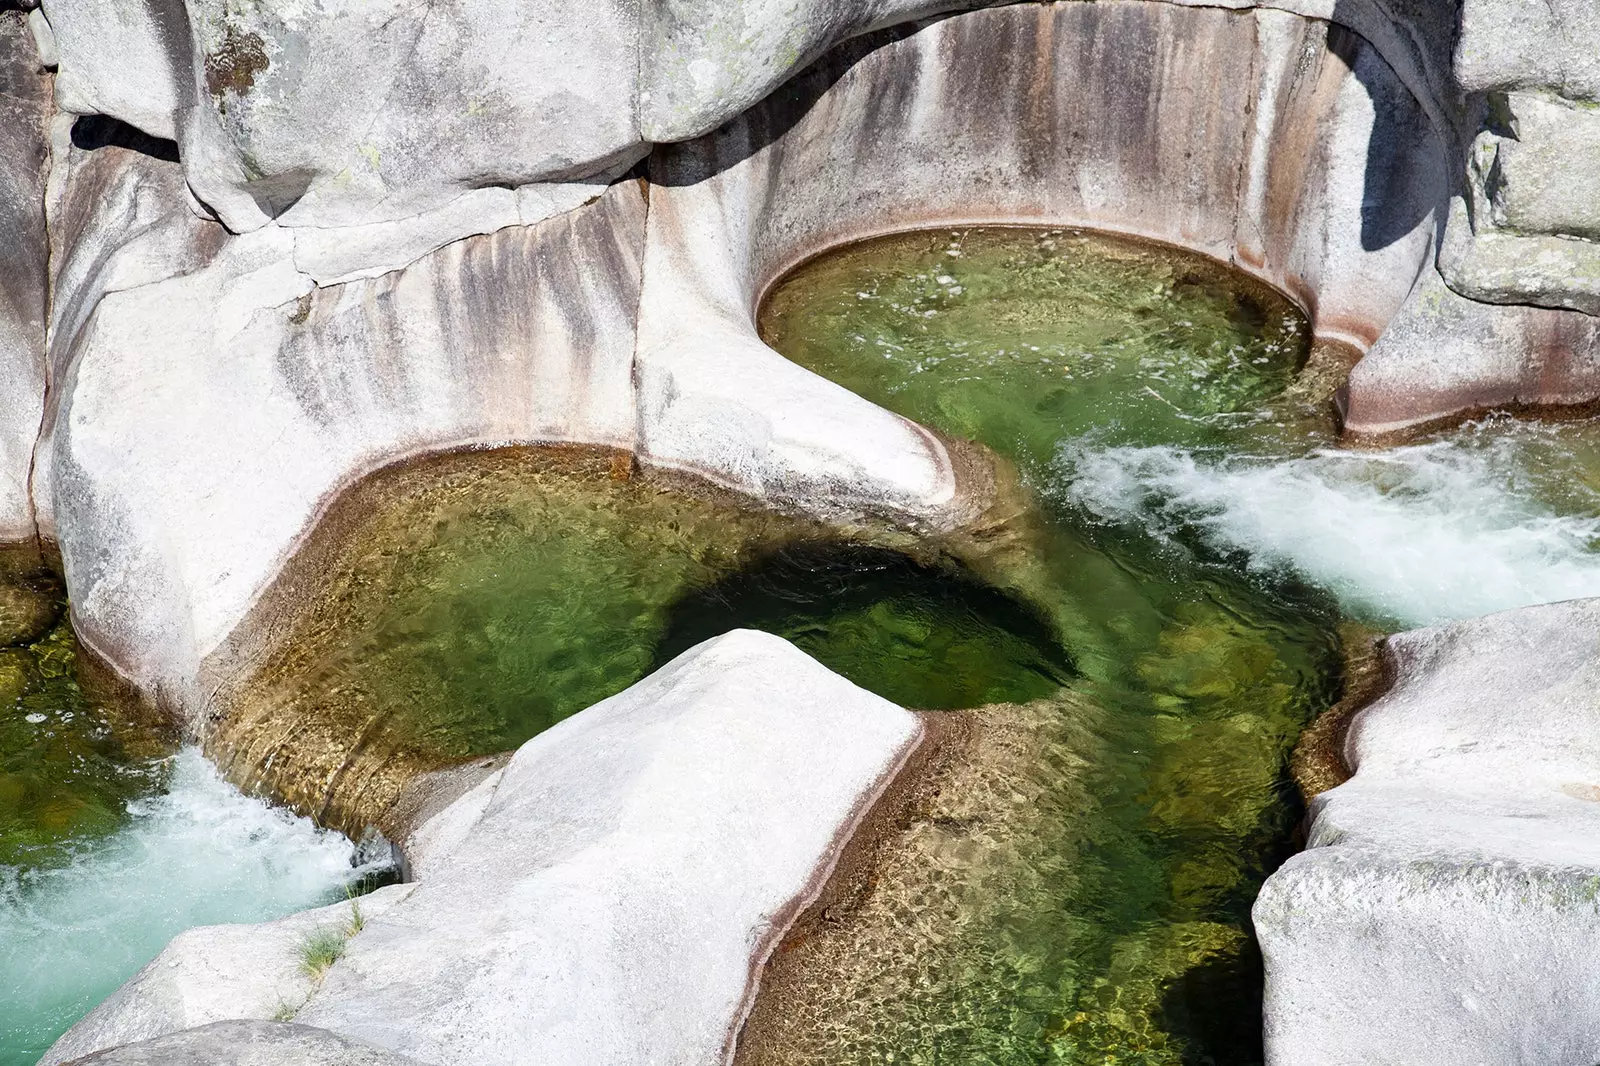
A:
(1121, 656)
(1074, 885)
(467, 602)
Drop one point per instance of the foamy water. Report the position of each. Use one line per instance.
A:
(1493, 517)
(199, 854)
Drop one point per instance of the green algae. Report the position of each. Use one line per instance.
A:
(1106, 919)
(70, 755)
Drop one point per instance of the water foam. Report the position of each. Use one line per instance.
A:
(1491, 518)
(200, 853)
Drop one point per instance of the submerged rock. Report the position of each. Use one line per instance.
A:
(608, 894)
(1447, 907)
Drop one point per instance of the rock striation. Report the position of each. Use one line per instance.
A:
(1446, 906)
(24, 258)
(607, 896)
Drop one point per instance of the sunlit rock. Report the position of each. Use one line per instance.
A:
(611, 892)
(1447, 905)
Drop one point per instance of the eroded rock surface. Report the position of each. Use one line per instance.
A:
(605, 897)
(24, 259)
(1446, 908)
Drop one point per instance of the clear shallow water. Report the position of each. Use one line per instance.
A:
(1198, 542)
(474, 600)
(1106, 919)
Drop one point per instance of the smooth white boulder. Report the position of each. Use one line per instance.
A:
(631, 871)
(1447, 908)
(609, 896)
(212, 414)
(217, 973)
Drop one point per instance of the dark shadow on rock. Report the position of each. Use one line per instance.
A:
(1398, 191)
(767, 121)
(94, 132)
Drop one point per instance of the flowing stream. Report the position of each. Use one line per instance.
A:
(1200, 543)
(1134, 651)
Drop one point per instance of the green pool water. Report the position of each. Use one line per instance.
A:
(1106, 920)
(474, 600)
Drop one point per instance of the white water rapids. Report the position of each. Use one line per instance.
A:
(1494, 516)
(200, 853)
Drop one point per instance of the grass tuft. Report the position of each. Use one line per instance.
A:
(321, 950)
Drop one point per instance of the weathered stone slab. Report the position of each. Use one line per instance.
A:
(1448, 907)
(1444, 355)
(608, 896)
(630, 871)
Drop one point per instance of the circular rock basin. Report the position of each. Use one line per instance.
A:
(462, 604)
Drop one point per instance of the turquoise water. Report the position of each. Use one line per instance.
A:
(112, 841)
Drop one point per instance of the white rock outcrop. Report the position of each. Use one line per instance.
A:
(608, 896)
(257, 1043)
(1447, 908)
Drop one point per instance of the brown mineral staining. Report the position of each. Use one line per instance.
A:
(236, 62)
(1318, 763)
